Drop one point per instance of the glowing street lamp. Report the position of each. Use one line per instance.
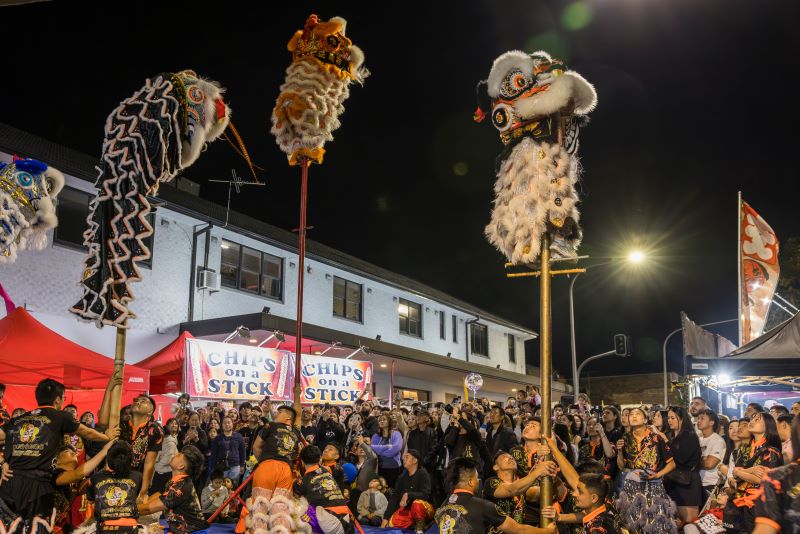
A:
(636, 256)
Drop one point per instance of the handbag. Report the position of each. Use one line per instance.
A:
(679, 477)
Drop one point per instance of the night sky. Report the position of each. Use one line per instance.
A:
(695, 103)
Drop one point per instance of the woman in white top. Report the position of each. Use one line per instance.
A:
(169, 448)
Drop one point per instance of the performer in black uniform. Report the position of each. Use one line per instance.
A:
(32, 442)
(179, 502)
(464, 513)
(114, 490)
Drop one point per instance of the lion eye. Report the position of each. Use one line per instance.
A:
(25, 179)
(502, 116)
(514, 83)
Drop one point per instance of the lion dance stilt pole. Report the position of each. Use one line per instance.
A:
(324, 65)
(538, 105)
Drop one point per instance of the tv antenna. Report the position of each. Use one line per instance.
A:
(236, 182)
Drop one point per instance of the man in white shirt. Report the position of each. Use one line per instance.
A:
(712, 449)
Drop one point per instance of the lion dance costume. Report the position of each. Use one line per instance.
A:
(150, 138)
(28, 189)
(324, 64)
(537, 105)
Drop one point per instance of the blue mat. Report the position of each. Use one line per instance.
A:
(228, 528)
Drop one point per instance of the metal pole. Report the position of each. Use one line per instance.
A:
(592, 358)
(305, 162)
(664, 354)
(546, 487)
(740, 290)
(575, 372)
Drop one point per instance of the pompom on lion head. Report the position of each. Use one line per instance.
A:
(525, 88)
(327, 44)
(207, 114)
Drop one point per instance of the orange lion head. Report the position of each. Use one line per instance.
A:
(326, 43)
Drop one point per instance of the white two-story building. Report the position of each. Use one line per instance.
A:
(210, 278)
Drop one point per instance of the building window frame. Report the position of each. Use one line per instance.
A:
(345, 302)
(479, 339)
(262, 276)
(422, 395)
(442, 325)
(455, 328)
(150, 242)
(59, 202)
(512, 348)
(406, 321)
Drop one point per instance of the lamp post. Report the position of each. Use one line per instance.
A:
(664, 353)
(635, 257)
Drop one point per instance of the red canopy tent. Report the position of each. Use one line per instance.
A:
(31, 352)
(166, 366)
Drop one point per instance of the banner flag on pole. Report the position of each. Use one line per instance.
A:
(758, 255)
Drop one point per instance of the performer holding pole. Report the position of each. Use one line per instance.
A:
(538, 106)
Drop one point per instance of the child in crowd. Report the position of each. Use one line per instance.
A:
(214, 495)
(372, 503)
(179, 502)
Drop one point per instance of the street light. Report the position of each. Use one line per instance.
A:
(664, 354)
(361, 348)
(241, 331)
(635, 257)
(277, 334)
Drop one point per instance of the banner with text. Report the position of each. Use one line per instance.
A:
(333, 380)
(230, 371)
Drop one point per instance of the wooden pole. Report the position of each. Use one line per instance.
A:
(119, 370)
(546, 487)
(304, 164)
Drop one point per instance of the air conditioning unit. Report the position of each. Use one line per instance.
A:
(208, 279)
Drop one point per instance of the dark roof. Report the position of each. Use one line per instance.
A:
(83, 166)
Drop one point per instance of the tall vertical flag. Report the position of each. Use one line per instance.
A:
(758, 271)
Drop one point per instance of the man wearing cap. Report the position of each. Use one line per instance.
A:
(410, 505)
(276, 450)
(423, 438)
(327, 506)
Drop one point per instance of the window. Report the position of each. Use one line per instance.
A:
(72, 208)
(417, 395)
(151, 220)
(346, 299)
(479, 339)
(229, 266)
(271, 276)
(442, 327)
(410, 315)
(251, 270)
(455, 329)
(512, 349)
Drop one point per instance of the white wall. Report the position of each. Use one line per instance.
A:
(47, 283)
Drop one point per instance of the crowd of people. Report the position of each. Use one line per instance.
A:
(466, 466)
